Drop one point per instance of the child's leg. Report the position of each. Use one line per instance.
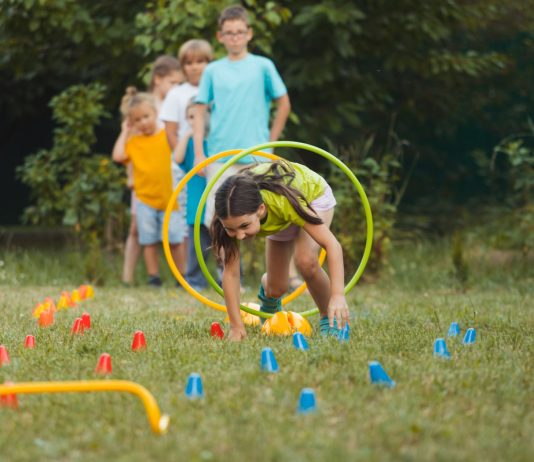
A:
(276, 280)
(179, 256)
(176, 252)
(149, 237)
(132, 251)
(194, 276)
(274, 283)
(177, 233)
(306, 260)
(151, 255)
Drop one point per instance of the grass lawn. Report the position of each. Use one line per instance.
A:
(479, 405)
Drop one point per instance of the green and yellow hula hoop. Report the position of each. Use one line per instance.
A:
(254, 150)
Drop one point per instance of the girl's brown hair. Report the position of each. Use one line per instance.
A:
(162, 67)
(241, 195)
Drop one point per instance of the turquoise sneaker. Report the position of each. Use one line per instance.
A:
(325, 329)
(268, 304)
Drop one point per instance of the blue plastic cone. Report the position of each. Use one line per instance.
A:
(307, 401)
(299, 342)
(378, 375)
(268, 361)
(454, 330)
(194, 388)
(470, 336)
(440, 349)
(344, 334)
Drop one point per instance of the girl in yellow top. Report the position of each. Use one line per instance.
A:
(293, 206)
(148, 151)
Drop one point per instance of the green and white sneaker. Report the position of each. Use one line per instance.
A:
(268, 304)
(325, 329)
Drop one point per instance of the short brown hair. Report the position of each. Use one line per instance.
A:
(231, 13)
(198, 47)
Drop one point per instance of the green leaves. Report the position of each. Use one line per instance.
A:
(69, 183)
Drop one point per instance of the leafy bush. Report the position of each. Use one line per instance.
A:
(70, 184)
(379, 171)
(509, 173)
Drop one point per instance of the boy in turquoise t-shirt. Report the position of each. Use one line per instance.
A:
(240, 89)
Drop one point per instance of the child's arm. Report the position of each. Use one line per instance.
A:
(282, 113)
(129, 173)
(171, 130)
(119, 149)
(231, 284)
(181, 148)
(337, 306)
(199, 130)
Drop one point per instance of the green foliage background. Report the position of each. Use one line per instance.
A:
(456, 77)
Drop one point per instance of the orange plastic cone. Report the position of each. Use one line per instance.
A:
(86, 320)
(4, 356)
(77, 327)
(29, 342)
(216, 330)
(139, 341)
(82, 290)
(9, 400)
(46, 318)
(104, 364)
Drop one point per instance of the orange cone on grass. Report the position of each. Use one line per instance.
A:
(46, 318)
(4, 356)
(104, 364)
(9, 400)
(86, 320)
(216, 330)
(77, 327)
(29, 342)
(139, 341)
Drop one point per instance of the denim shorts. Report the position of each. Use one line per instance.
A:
(323, 203)
(150, 225)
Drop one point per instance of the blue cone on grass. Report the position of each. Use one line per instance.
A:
(194, 388)
(299, 342)
(454, 330)
(379, 376)
(344, 334)
(268, 361)
(307, 401)
(470, 336)
(440, 349)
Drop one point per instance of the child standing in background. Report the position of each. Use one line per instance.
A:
(166, 74)
(240, 87)
(144, 143)
(184, 156)
(194, 55)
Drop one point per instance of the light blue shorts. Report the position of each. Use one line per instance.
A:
(150, 225)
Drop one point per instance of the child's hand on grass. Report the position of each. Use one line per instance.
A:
(339, 310)
(237, 334)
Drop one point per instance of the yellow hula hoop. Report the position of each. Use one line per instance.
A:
(167, 248)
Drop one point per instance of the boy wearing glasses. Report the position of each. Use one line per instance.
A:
(240, 88)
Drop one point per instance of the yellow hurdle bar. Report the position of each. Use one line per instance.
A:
(159, 423)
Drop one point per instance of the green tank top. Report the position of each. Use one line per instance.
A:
(280, 212)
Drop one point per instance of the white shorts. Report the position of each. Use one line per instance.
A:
(323, 203)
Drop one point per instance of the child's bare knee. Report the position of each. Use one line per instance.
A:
(307, 265)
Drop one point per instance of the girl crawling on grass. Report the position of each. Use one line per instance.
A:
(293, 206)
